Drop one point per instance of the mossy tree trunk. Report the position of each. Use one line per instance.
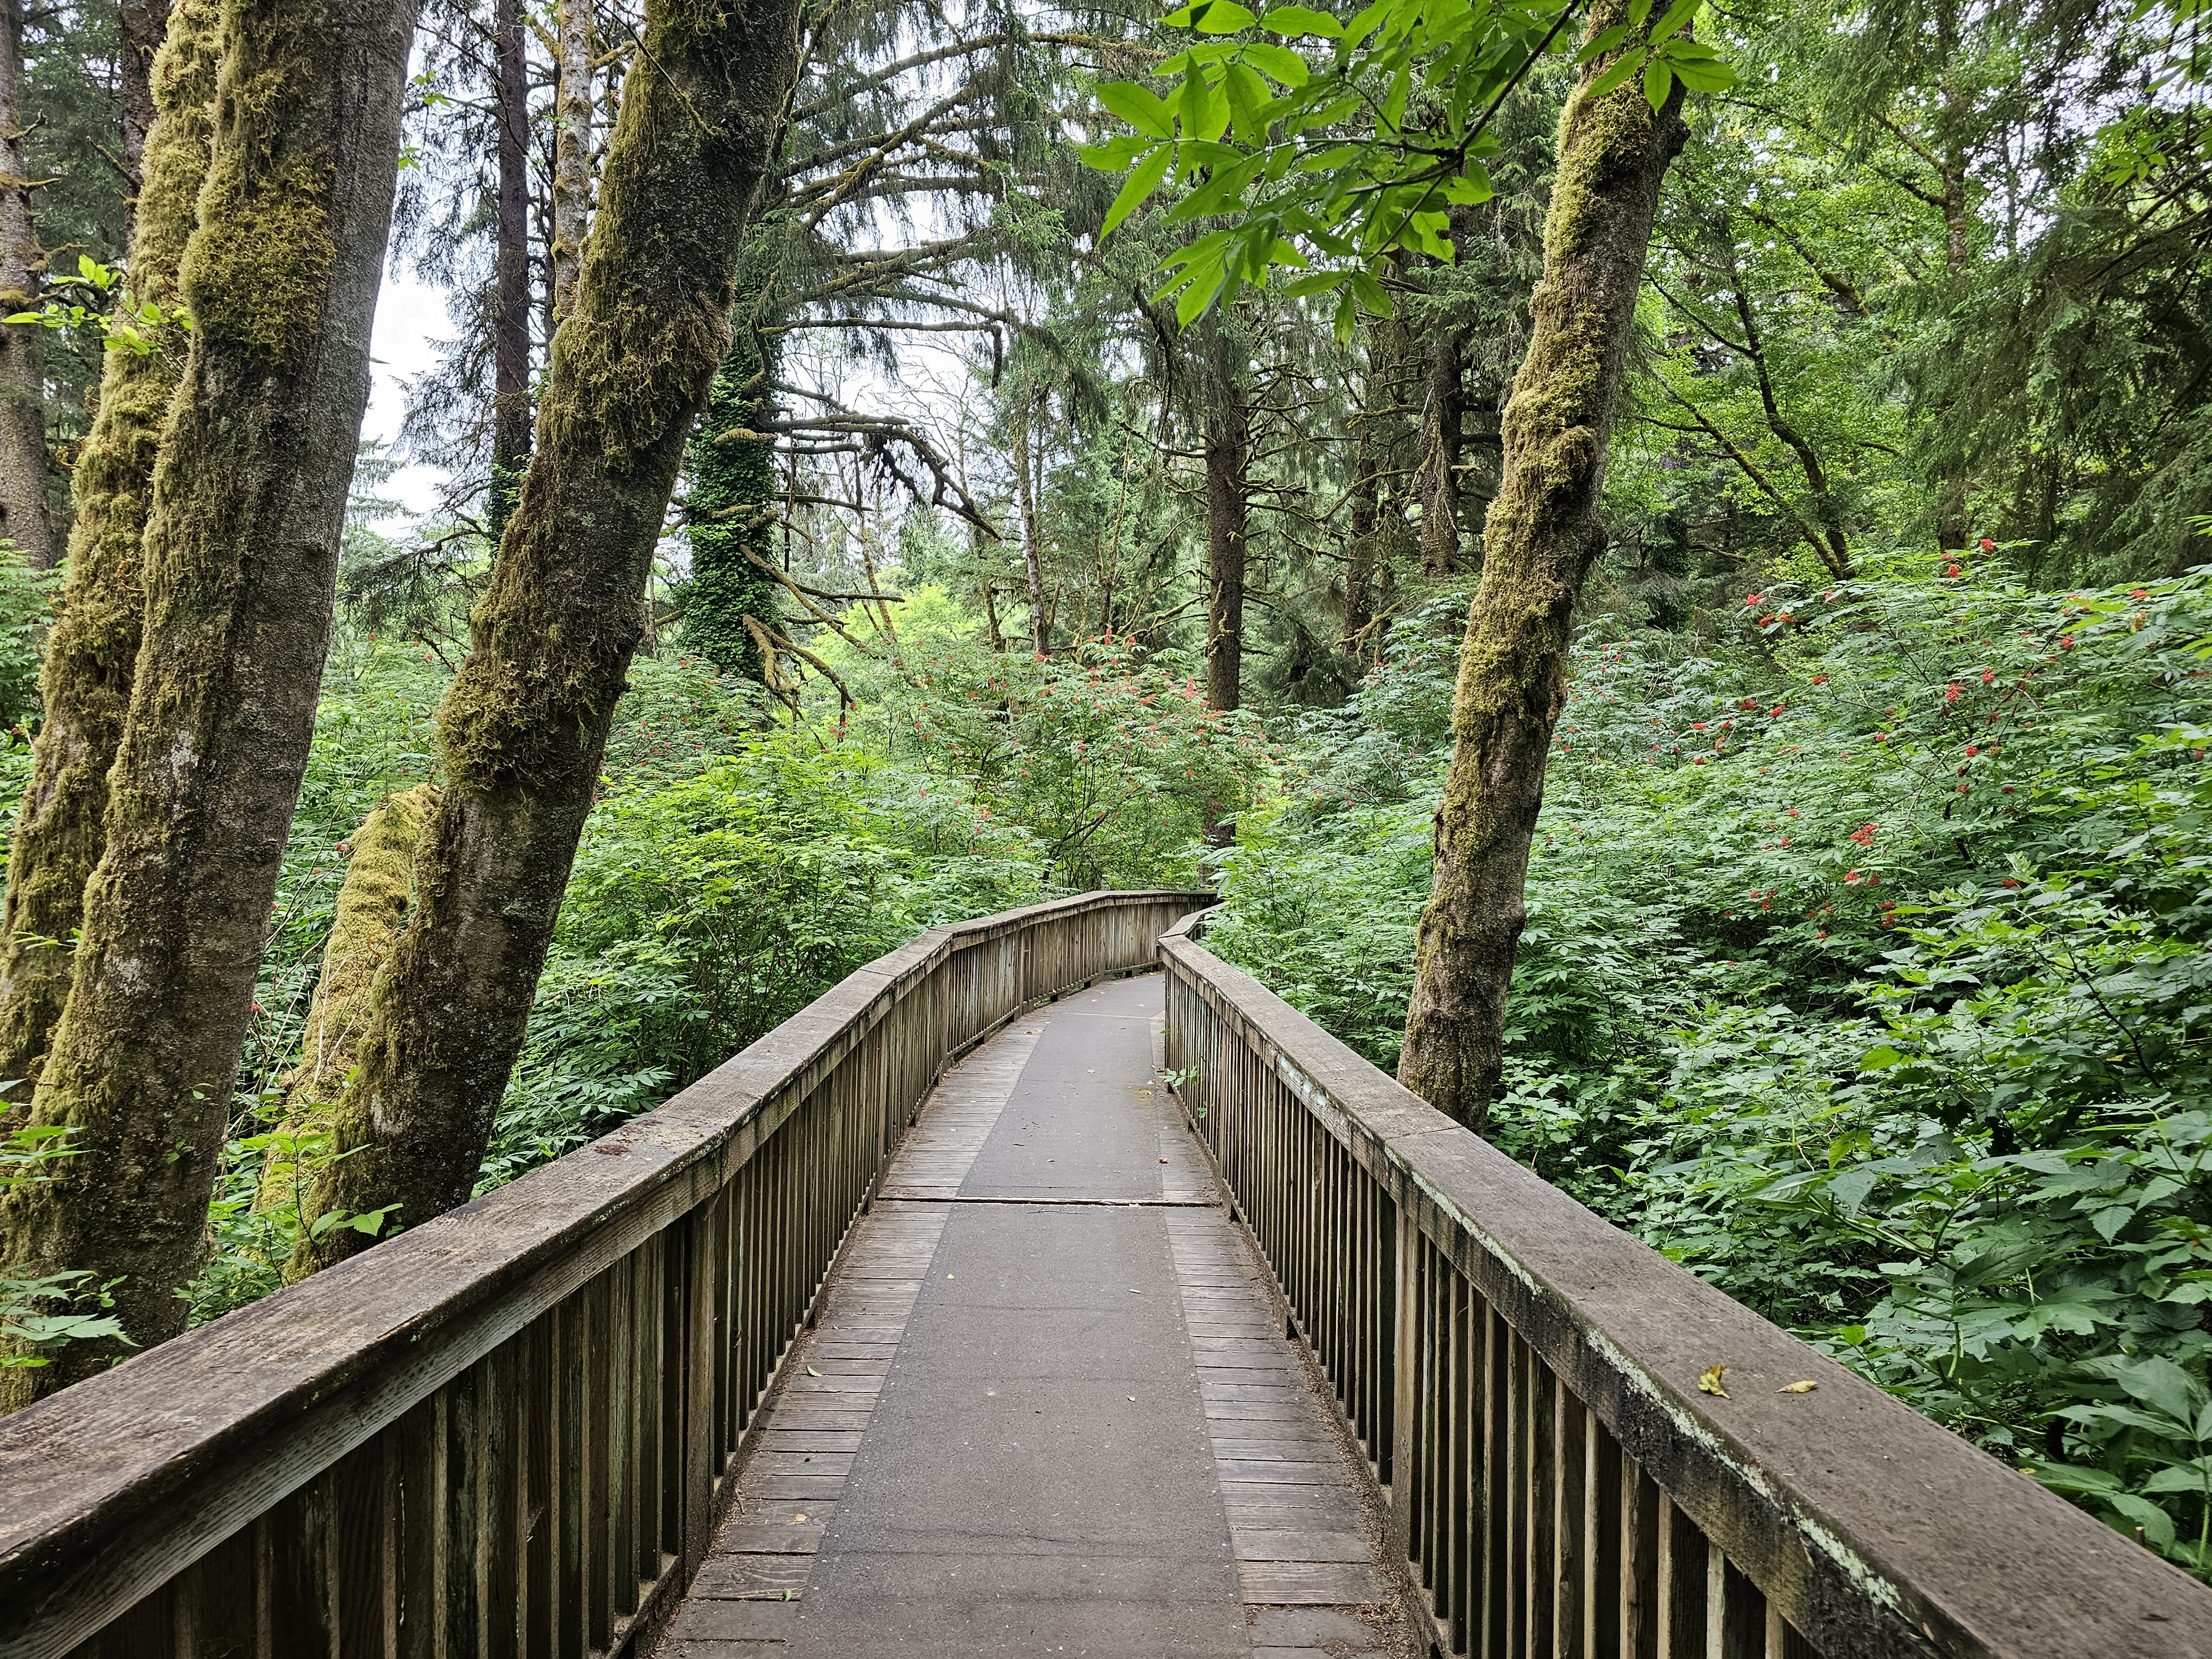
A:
(1541, 538)
(372, 910)
(731, 514)
(85, 684)
(24, 518)
(525, 724)
(241, 559)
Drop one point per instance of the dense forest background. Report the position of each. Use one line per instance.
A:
(1864, 970)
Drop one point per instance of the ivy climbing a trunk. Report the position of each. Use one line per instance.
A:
(731, 514)
(85, 685)
(1541, 538)
(525, 723)
(241, 561)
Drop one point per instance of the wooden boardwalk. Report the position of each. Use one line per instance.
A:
(1049, 1406)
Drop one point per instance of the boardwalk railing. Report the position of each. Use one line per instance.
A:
(504, 1433)
(1523, 1378)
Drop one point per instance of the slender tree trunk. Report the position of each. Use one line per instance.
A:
(524, 725)
(1441, 409)
(241, 560)
(1228, 443)
(142, 24)
(572, 150)
(510, 443)
(1540, 538)
(372, 910)
(85, 683)
(1032, 540)
(1362, 546)
(24, 518)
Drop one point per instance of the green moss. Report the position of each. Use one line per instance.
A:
(256, 274)
(729, 516)
(85, 687)
(372, 908)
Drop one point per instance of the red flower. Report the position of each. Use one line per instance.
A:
(1819, 680)
(1753, 600)
(1951, 693)
(1863, 836)
(1950, 569)
(1989, 675)
(1988, 546)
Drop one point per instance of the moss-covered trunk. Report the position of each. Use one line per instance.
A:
(731, 513)
(85, 682)
(1032, 535)
(241, 560)
(1540, 539)
(24, 519)
(372, 910)
(526, 722)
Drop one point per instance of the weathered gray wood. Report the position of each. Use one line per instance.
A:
(1868, 1528)
(115, 1487)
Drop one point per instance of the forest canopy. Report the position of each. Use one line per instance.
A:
(1655, 557)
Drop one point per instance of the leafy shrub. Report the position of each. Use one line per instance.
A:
(1865, 975)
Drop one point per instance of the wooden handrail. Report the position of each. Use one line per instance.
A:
(506, 1432)
(1524, 1378)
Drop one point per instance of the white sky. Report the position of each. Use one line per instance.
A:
(410, 318)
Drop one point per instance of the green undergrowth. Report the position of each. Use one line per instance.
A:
(1864, 977)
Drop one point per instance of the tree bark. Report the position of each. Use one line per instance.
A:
(525, 724)
(1360, 566)
(510, 444)
(24, 517)
(1032, 537)
(1541, 538)
(1228, 445)
(143, 24)
(372, 910)
(572, 150)
(1441, 409)
(241, 560)
(85, 685)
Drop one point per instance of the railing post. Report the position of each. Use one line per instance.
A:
(1405, 1334)
(701, 1293)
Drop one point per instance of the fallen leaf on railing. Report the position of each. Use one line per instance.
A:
(1797, 1387)
(1709, 1380)
(811, 1372)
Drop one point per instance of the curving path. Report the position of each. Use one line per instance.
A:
(1048, 1407)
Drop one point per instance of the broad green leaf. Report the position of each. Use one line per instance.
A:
(1112, 156)
(1140, 183)
(1248, 98)
(1604, 43)
(1222, 17)
(1393, 103)
(1348, 319)
(1630, 63)
(1474, 187)
(1138, 107)
(1705, 76)
(1280, 64)
(1297, 22)
(1322, 282)
(1658, 81)
(1219, 193)
(1677, 14)
(1372, 296)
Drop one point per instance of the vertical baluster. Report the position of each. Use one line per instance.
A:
(1459, 1589)
(300, 1569)
(1640, 1561)
(416, 1620)
(625, 1289)
(1683, 1589)
(540, 1486)
(1543, 1496)
(571, 1336)
(1570, 1521)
